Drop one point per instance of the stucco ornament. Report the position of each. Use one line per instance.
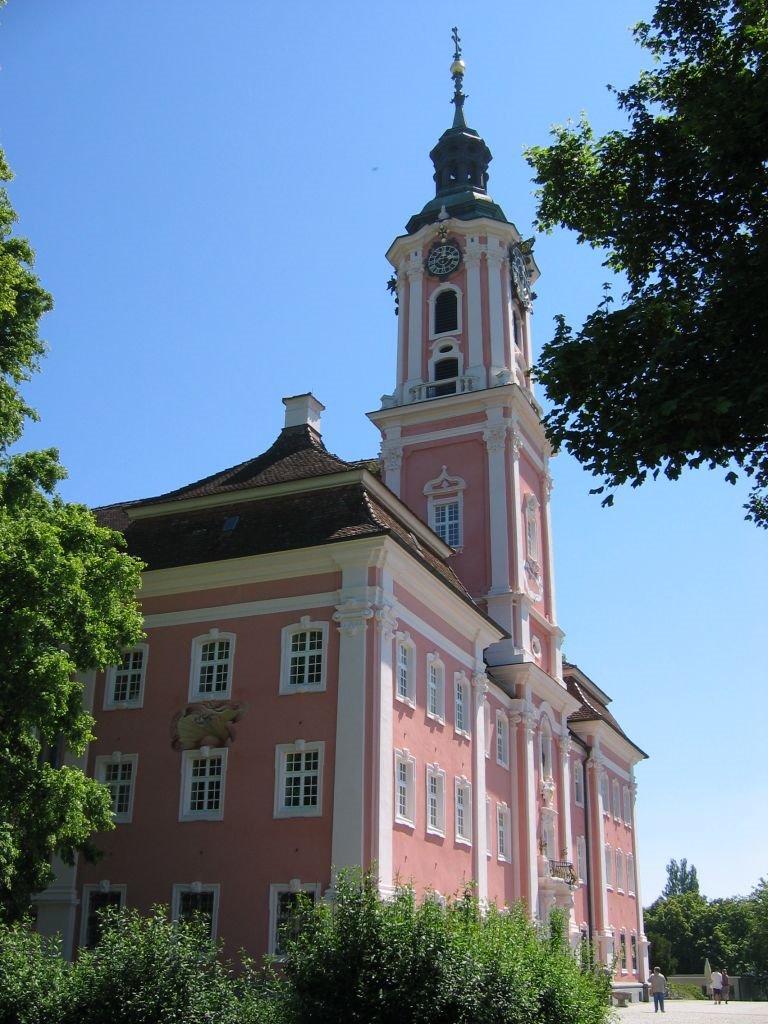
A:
(206, 723)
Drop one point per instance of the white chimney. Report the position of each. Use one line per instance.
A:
(302, 409)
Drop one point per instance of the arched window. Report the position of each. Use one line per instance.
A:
(445, 370)
(446, 312)
(545, 740)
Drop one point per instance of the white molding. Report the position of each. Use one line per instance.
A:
(187, 756)
(99, 770)
(247, 609)
(214, 635)
(305, 624)
(281, 750)
(108, 703)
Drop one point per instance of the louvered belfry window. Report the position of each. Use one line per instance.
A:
(446, 312)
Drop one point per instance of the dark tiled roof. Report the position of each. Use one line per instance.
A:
(297, 454)
(266, 525)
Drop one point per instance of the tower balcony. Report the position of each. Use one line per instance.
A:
(440, 388)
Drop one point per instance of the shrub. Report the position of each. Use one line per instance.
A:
(373, 961)
(33, 976)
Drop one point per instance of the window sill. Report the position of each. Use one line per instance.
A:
(405, 822)
(437, 719)
(439, 833)
(286, 689)
(502, 764)
(209, 816)
(463, 733)
(298, 812)
(124, 705)
(461, 841)
(408, 701)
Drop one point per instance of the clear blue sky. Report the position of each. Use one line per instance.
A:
(211, 188)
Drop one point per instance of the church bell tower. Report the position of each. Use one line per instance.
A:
(462, 440)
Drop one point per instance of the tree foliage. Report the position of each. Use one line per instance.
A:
(378, 961)
(67, 605)
(677, 374)
(680, 878)
(684, 929)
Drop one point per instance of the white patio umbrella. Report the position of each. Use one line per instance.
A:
(708, 976)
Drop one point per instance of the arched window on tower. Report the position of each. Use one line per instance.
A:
(446, 312)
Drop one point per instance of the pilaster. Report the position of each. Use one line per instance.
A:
(480, 824)
(386, 625)
(348, 831)
(524, 717)
(415, 272)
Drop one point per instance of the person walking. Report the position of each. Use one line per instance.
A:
(726, 985)
(717, 987)
(658, 990)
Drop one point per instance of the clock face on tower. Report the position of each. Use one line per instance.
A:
(443, 258)
(520, 275)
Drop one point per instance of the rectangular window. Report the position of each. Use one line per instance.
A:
(608, 866)
(283, 907)
(581, 858)
(95, 902)
(616, 800)
(502, 739)
(435, 800)
(604, 793)
(406, 682)
(623, 950)
(118, 773)
(503, 829)
(405, 783)
(620, 870)
(463, 808)
(447, 522)
(630, 874)
(191, 901)
(299, 770)
(435, 689)
(303, 656)
(212, 660)
(203, 784)
(124, 686)
(633, 950)
(627, 807)
(578, 783)
(462, 719)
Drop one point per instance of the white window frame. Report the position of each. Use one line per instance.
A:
(581, 858)
(545, 750)
(462, 705)
(631, 881)
(276, 889)
(435, 688)
(432, 301)
(504, 833)
(605, 792)
(578, 783)
(288, 656)
(282, 752)
(442, 491)
(405, 788)
(627, 807)
(616, 800)
(443, 520)
(621, 876)
(102, 767)
(532, 536)
(623, 952)
(188, 759)
(462, 803)
(115, 672)
(502, 739)
(196, 888)
(633, 951)
(608, 866)
(213, 636)
(88, 891)
(405, 669)
(436, 827)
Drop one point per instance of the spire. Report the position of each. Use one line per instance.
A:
(461, 160)
(457, 74)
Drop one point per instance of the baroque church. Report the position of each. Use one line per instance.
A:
(359, 663)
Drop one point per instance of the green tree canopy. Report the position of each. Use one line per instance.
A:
(67, 605)
(680, 878)
(676, 375)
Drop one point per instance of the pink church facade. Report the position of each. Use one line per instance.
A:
(360, 664)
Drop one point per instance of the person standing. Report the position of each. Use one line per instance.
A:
(717, 987)
(726, 985)
(658, 989)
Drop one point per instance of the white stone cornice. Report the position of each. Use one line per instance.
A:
(352, 616)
